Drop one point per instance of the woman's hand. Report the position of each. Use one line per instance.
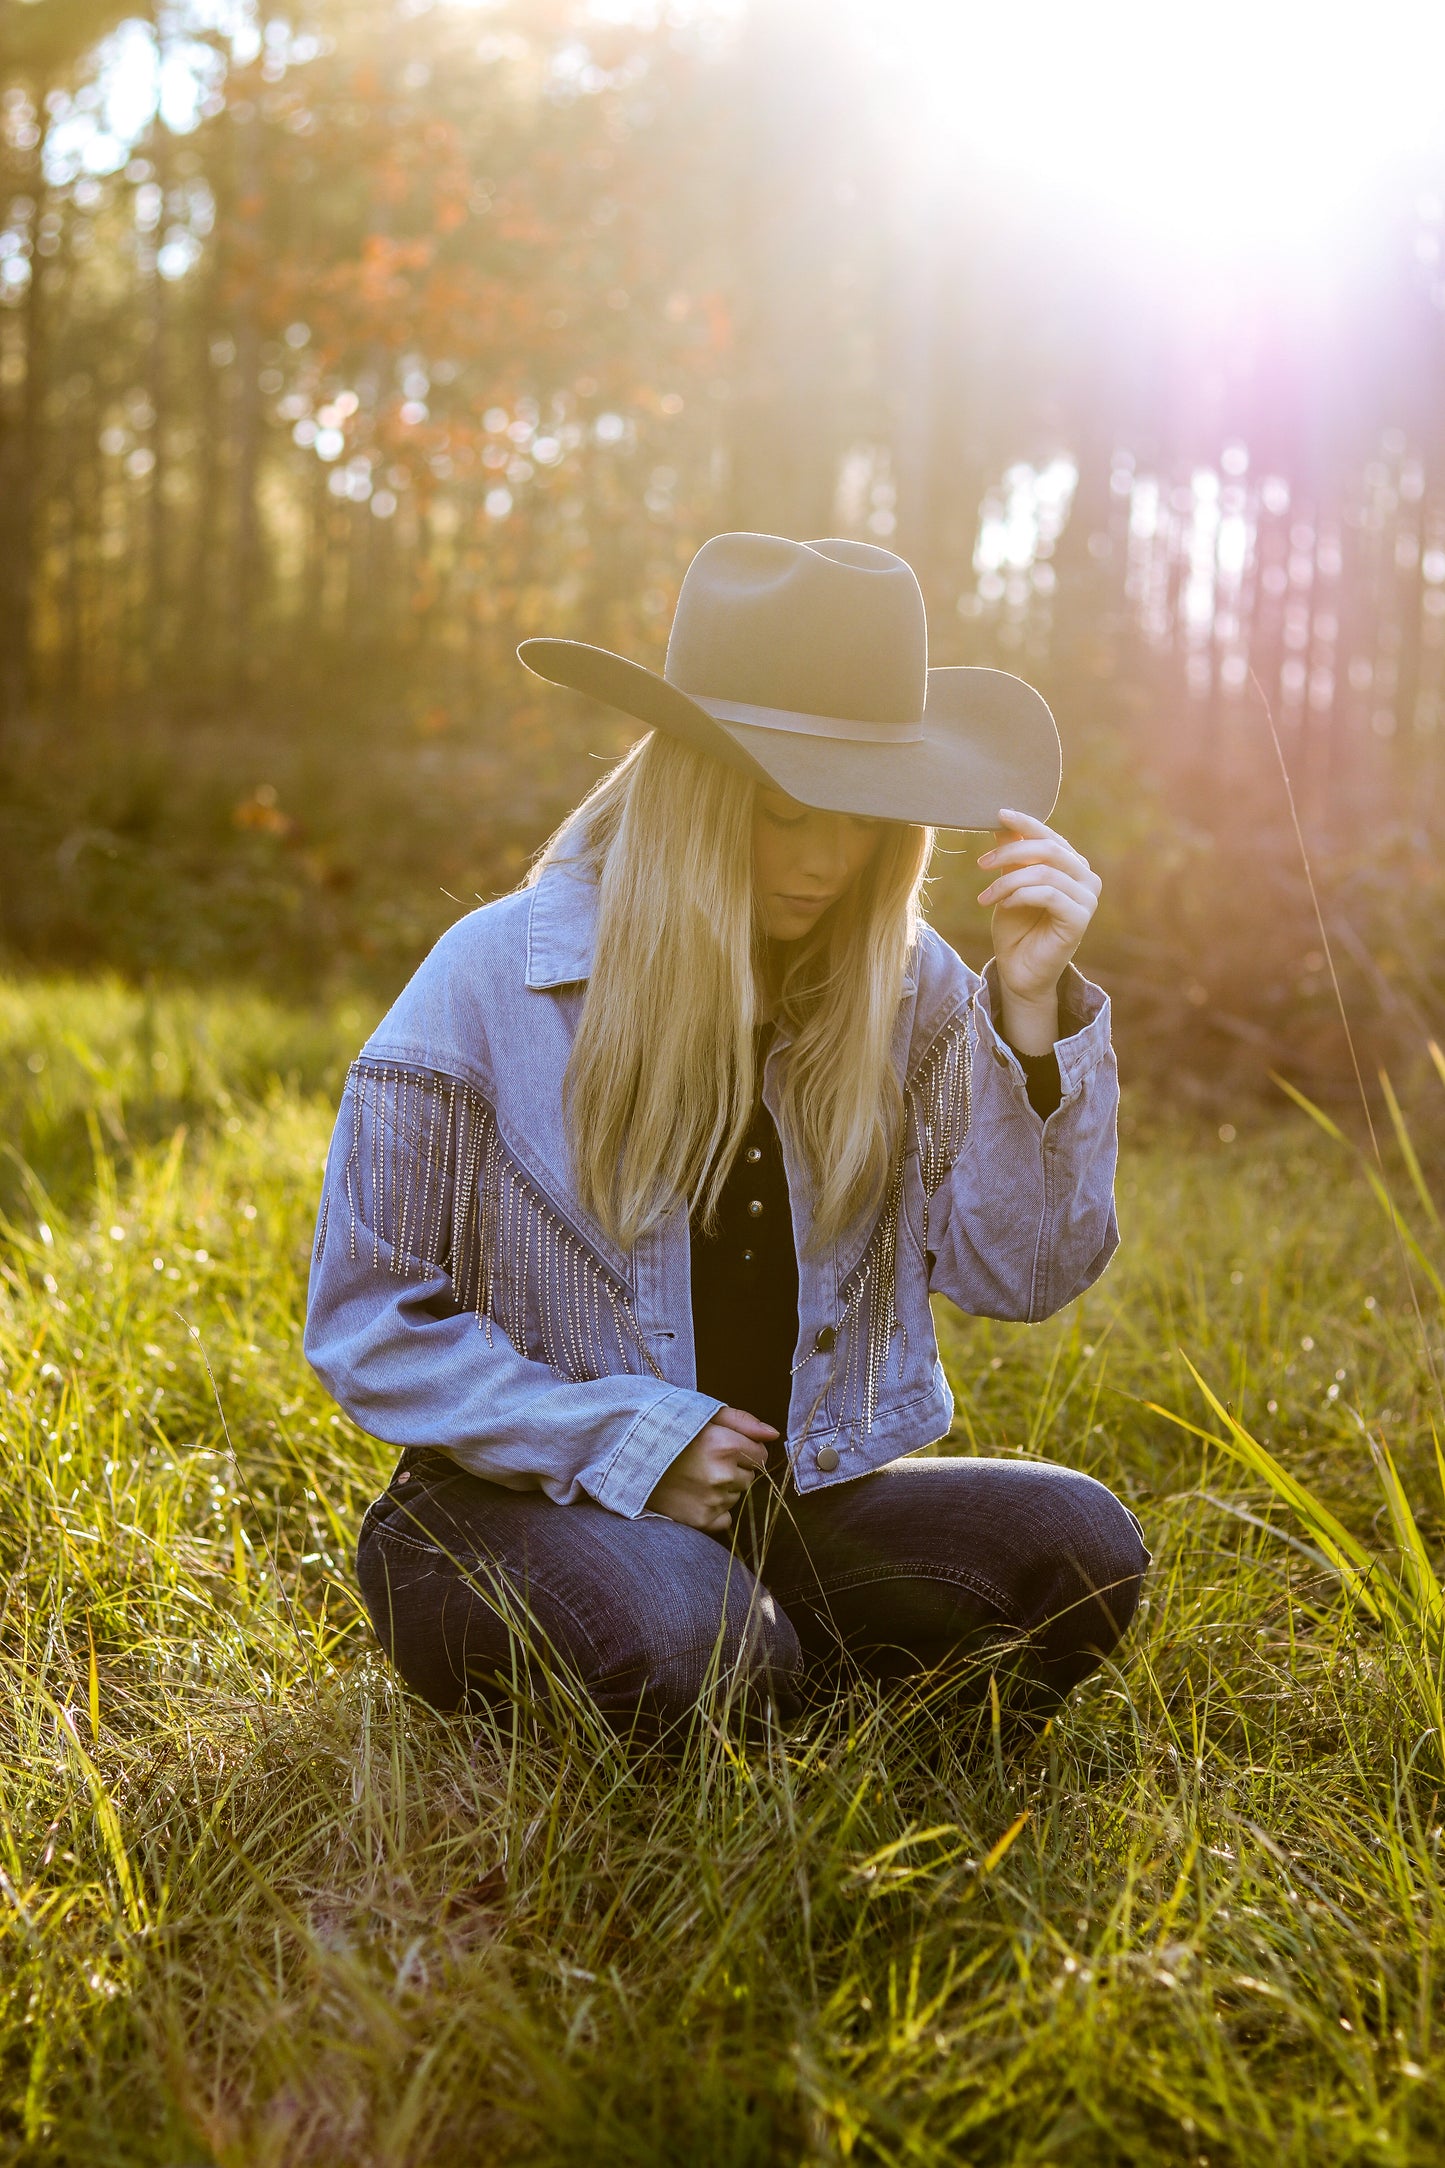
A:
(711, 1474)
(1043, 894)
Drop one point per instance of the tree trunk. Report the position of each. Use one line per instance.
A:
(784, 448)
(157, 391)
(245, 586)
(21, 452)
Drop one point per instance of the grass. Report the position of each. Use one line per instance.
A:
(258, 1909)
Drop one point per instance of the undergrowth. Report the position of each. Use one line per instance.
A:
(258, 1908)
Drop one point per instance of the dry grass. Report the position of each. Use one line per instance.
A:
(258, 1909)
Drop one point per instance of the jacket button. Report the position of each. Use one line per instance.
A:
(755, 1208)
(753, 1154)
(826, 1341)
(827, 1459)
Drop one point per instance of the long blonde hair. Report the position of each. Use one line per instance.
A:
(662, 1077)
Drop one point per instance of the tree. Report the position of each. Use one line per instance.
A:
(42, 45)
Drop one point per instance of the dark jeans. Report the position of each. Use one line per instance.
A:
(476, 1591)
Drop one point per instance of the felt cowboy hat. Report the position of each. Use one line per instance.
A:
(805, 664)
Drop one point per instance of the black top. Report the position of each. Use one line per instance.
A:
(745, 1274)
(745, 1279)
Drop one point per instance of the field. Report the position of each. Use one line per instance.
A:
(258, 1909)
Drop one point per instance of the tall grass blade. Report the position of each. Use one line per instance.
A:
(1380, 1191)
(94, 1684)
(1419, 1567)
(995, 1852)
(1408, 1153)
(1349, 1558)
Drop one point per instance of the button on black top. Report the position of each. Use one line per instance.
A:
(745, 1280)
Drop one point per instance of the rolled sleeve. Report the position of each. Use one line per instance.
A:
(1084, 1040)
(1025, 1221)
(648, 1449)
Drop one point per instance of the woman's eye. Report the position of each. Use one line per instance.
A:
(785, 820)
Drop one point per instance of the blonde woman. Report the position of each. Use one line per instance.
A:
(638, 1194)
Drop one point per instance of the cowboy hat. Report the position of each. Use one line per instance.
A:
(805, 664)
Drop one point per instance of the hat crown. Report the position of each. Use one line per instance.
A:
(812, 628)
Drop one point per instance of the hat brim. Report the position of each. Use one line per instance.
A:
(985, 740)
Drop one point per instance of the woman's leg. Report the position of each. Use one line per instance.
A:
(928, 1561)
(475, 1590)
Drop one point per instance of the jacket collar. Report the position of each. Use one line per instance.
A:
(562, 926)
(562, 929)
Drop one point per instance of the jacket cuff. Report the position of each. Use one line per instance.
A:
(649, 1447)
(1083, 1023)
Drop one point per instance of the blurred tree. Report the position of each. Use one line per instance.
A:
(43, 43)
(407, 329)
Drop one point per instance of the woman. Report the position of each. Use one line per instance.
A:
(638, 1194)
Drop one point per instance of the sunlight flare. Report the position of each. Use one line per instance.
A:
(1228, 129)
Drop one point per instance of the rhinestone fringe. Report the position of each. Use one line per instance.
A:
(430, 1186)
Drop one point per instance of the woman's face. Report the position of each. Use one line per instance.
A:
(803, 860)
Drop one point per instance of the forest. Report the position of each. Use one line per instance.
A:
(340, 354)
(345, 345)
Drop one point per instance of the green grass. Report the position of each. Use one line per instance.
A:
(259, 1909)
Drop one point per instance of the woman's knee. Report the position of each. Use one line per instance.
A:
(431, 1640)
(1092, 1571)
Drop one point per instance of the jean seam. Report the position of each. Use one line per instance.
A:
(389, 1497)
(904, 1570)
(381, 1533)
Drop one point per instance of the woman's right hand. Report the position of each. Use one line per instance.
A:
(711, 1474)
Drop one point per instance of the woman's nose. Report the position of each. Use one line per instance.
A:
(824, 854)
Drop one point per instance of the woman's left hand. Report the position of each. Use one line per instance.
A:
(1043, 895)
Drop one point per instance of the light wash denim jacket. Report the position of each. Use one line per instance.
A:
(462, 1298)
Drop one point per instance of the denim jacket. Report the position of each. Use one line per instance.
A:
(462, 1298)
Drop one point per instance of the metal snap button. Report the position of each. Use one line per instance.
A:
(826, 1341)
(755, 1208)
(405, 1476)
(747, 1257)
(827, 1459)
(753, 1154)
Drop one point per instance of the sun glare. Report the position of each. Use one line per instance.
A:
(1229, 128)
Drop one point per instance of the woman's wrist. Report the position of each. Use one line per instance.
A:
(1030, 1024)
